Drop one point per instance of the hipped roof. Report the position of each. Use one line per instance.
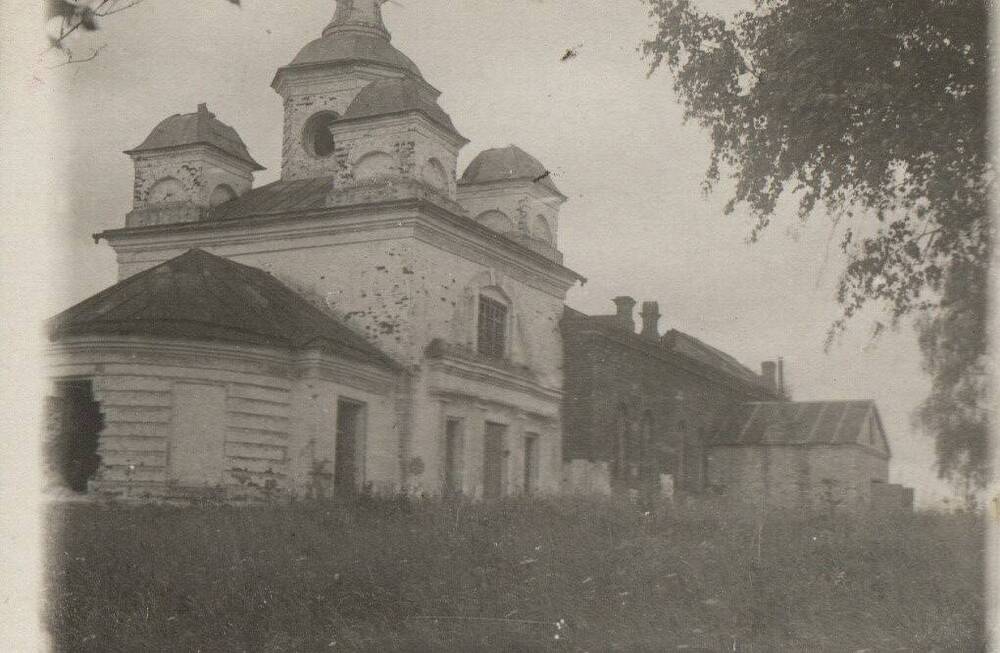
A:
(200, 296)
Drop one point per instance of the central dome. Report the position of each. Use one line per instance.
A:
(349, 47)
(355, 35)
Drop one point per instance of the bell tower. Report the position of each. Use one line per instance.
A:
(322, 81)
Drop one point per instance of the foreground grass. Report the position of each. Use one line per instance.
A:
(561, 575)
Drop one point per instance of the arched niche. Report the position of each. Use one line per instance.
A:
(497, 221)
(222, 194)
(434, 173)
(541, 230)
(168, 189)
(374, 167)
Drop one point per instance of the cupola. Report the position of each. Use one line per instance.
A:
(512, 192)
(188, 164)
(323, 80)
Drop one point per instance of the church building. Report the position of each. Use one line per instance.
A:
(370, 322)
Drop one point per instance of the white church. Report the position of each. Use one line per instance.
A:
(370, 322)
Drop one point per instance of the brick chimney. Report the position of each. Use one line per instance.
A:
(769, 372)
(650, 320)
(625, 306)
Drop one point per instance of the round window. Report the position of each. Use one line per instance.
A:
(317, 137)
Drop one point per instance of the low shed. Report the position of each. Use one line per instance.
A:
(800, 454)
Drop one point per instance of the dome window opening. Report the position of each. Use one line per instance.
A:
(318, 134)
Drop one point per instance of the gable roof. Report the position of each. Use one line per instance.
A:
(198, 128)
(200, 296)
(798, 422)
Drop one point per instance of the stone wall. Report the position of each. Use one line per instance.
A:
(198, 171)
(798, 476)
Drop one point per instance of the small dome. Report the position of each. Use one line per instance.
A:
(507, 164)
(347, 47)
(390, 96)
(198, 128)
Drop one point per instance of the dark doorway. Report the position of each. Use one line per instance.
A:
(493, 461)
(74, 424)
(348, 470)
(453, 454)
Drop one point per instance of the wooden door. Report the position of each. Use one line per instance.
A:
(493, 461)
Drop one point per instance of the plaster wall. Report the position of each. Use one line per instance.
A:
(276, 420)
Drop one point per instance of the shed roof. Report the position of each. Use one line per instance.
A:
(389, 96)
(198, 128)
(509, 163)
(797, 422)
(200, 296)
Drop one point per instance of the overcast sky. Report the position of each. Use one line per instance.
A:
(636, 222)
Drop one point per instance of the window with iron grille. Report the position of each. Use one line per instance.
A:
(492, 327)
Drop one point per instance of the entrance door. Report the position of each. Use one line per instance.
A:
(348, 473)
(453, 453)
(493, 461)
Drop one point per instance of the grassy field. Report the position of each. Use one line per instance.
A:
(559, 575)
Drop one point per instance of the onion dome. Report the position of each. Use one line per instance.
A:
(509, 163)
(198, 128)
(393, 96)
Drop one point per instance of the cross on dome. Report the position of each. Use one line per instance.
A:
(363, 16)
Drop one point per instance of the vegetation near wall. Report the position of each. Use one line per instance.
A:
(547, 575)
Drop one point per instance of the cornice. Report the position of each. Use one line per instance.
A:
(475, 238)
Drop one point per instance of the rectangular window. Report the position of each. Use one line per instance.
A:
(492, 327)
(453, 456)
(531, 460)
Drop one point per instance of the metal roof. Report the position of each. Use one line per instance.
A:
(340, 48)
(277, 197)
(200, 296)
(389, 96)
(692, 347)
(508, 164)
(198, 128)
(797, 422)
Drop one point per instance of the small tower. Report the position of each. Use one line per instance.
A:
(320, 86)
(510, 191)
(188, 164)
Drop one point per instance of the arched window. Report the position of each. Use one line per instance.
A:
(434, 174)
(166, 190)
(497, 221)
(222, 194)
(317, 135)
(540, 229)
(374, 167)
